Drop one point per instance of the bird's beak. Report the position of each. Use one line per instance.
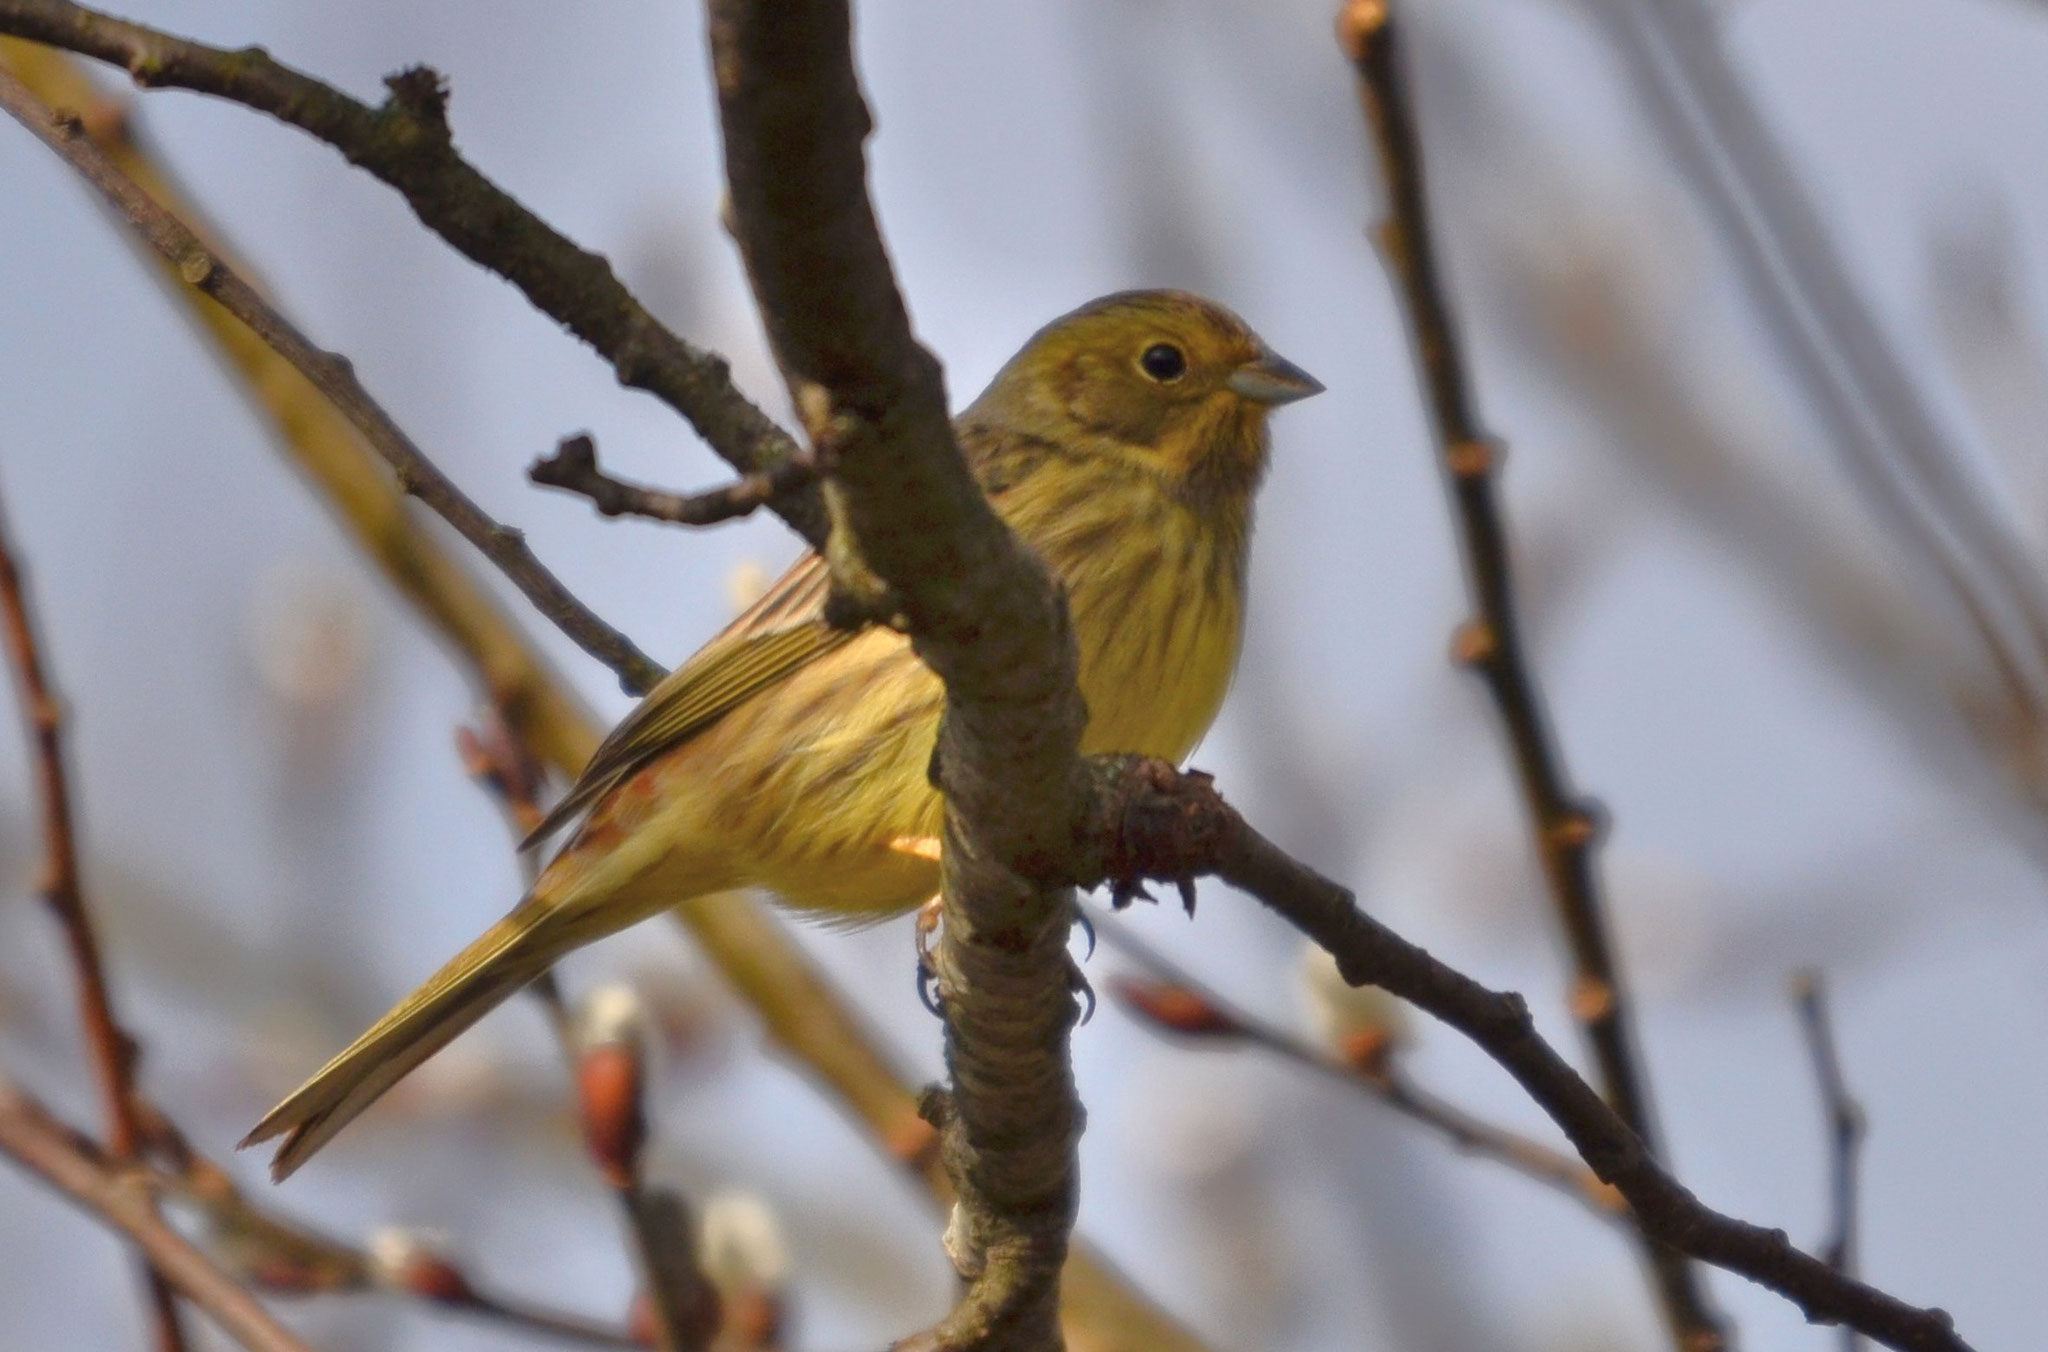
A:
(1272, 380)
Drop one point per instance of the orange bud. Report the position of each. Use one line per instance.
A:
(614, 1125)
(1368, 1051)
(1174, 1008)
(754, 1318)
(611, 1081)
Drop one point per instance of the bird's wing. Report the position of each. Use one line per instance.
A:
(780, 633)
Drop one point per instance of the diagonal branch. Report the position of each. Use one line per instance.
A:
(118, 1194)
(334, 377)
(1565, 825)
(63, 888)
(982, 613)
(407, 143)
(1173, 1001)
(317, 441)
(1149, 820)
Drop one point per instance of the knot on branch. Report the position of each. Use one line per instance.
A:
(1147, 821)
(419, 94)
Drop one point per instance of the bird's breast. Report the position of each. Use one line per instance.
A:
(1160, 621)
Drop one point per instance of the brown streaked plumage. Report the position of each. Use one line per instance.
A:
(1124, 442)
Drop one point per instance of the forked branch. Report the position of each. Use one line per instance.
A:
(407, 143)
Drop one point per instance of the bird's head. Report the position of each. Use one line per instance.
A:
(1165, 377)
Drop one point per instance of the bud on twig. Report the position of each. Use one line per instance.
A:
(742, 1251)
(611, 1040)
(1362, 1025)
(1174, 1008)
(412, 1261)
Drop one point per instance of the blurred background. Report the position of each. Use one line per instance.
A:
(1754, 296)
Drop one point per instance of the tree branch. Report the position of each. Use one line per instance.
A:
(1174, 1002)
(1149, 820)
(62, 884)
(573, 468)
(1565, 825)
(335, 378)
(286, 1258)
(118, 1194)
(981, 612)
(407, 143)
(1845, 1127)
(346, 475)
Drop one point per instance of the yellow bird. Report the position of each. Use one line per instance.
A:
(1124, 443)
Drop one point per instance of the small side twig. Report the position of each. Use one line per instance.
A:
(1565, 824)
(573, 468)
(63, 888)
(1192, 1007)
(1148, 820)
(335, 378)
(1846, 1126)
(117, 1193)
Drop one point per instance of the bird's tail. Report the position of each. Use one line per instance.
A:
(508, 955)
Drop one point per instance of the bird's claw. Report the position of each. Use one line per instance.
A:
(1087, 928)
(1079, 984)
(1123, 891)
(928, 991)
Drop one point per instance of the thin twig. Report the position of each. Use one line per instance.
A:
(1148, 820)
(118, 1194)
(199, 266)
(407, 144)
(1565, 824)
(287, 1258)
(63, 887)
(1382, 1083)
(982, 613)
(664, 1250)
(1845, 1128)
(350, 480)
(573, 468)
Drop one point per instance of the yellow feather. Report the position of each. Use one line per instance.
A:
(1124, 442)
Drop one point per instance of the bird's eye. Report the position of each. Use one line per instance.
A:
(1164, 362)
